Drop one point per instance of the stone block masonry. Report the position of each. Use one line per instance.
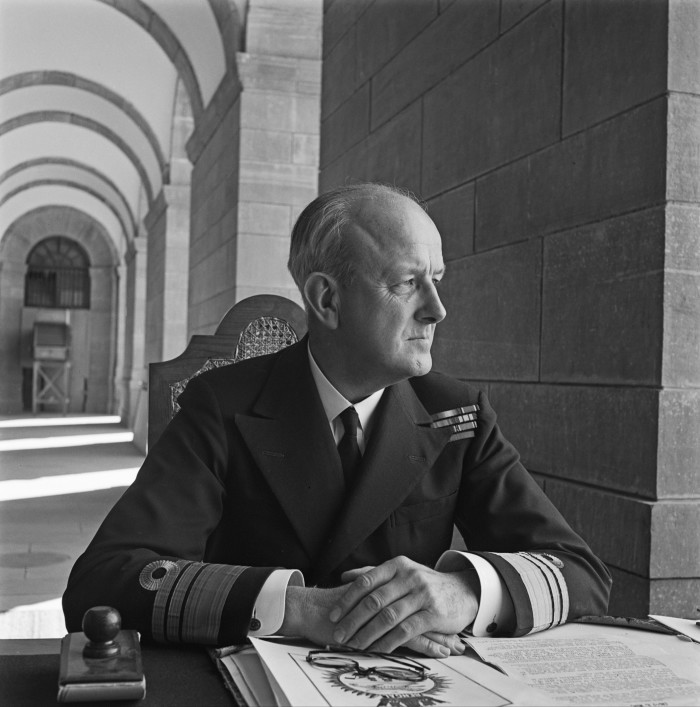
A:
(255, 162)
(556, 145)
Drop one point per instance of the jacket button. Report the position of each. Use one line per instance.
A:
(254, 625)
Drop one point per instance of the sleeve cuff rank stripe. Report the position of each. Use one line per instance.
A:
(190, 601)
(461, 421)
(545, 586)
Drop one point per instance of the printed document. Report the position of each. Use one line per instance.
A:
(575, 664)
(454, 681)
(580, 664)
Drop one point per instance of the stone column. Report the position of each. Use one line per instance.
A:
(168, 273)
(11, 302)
(134, 334)
(102, 343)
(279, 142)
(674, 567)
(120, 402)
(255, 161)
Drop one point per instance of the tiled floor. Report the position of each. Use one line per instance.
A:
(43, 529)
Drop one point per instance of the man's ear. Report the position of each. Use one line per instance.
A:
(321, 295)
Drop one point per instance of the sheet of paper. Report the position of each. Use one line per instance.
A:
(455, 681)
(248, 673)
(600, 665)
(685, 626)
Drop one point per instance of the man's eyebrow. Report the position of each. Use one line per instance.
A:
(401, 269)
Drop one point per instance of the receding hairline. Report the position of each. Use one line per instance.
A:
(364, 194)
(323, 225)
(360, 207)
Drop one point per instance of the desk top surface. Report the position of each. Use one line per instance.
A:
(174, 676)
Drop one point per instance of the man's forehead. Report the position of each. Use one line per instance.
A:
(395, 223)
(384, 209)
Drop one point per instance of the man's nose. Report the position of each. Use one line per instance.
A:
(432, 310)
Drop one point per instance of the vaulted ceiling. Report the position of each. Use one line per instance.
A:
(88, 94)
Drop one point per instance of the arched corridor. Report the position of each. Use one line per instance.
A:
(189, 154)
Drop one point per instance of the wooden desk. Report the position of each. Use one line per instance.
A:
(175, 677)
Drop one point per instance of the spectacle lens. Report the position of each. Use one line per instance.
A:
(405, 669)
(332, 661)
(404, 674)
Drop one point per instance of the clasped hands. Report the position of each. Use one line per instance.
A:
(397, 603)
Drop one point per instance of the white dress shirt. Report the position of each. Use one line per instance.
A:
(495, 605)
(334, 403)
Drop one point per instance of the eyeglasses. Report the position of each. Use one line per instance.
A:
(404, 668)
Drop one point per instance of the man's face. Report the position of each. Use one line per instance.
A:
(388, 313)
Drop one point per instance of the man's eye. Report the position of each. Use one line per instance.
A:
(437, 281)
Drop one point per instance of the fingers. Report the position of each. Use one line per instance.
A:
(373, 597)
(399, 600)
(361, 587)
(451, 641)
(351, 575)
(403, 631)
(436, 645)
(399, 621)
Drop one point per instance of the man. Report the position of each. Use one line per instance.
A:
(264, 469)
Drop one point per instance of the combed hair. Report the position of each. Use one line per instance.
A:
(318, 241)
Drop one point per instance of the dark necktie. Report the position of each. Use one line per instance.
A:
(348, 448)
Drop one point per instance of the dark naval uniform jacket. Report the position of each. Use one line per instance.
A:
(247, 478)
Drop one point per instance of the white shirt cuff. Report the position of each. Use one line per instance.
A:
(495, 605)
(268, 612)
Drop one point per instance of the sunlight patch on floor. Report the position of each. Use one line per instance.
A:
(60, 421)
(15, 489)
(41, 620)
(17, 445)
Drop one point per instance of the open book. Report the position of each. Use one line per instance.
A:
(575, 664)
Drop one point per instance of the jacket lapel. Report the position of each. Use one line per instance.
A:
(402, 449)
(290, 439)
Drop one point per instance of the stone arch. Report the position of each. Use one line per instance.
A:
(227, 14)
(74, 185)
(45, 221)
(66, 162)
(94, 349)
(88, 123)
(63, 78)
(147, 18)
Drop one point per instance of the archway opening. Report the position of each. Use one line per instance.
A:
(58, 275)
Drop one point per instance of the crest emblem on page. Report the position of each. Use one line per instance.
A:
(461, 421)
(390, 692)
(395, 680)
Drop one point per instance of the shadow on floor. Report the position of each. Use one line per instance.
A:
(44, 524)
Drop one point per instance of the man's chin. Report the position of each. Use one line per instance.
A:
(421, 366)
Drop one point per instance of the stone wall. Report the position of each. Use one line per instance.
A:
(213, 220)
(255, 161)
(556, 146)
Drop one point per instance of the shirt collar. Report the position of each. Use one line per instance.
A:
(334, 402)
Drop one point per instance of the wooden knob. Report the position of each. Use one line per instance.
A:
(101, 624)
